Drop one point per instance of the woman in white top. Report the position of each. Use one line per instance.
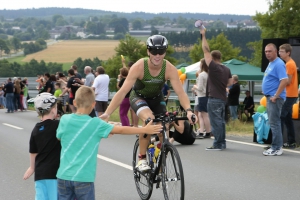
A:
(200, 88)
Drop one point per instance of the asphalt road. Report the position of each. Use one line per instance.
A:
(239, 172)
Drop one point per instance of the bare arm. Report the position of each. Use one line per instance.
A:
(79, 81)
(123, 63)
(31, 168)
(180, 126)
(127, 130)
(205, 48)
(64, 92)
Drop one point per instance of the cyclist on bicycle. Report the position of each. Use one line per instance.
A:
(146, 78)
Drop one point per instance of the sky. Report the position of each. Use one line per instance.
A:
(238, 7)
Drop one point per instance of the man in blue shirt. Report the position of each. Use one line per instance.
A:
(273, 87)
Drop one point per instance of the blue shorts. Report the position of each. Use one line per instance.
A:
(46, 189)
(202, 104)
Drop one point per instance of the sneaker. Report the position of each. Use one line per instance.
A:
(289, 146)
(271, 152)
(200, 135)
(267, 147)
(142, 166)
(212, 148)
(207, 135)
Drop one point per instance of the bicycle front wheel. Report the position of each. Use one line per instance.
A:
(172, 174)
(142, 180)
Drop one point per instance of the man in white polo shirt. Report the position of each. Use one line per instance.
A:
(100, 86)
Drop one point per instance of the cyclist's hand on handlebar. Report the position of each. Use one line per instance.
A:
(192, 118)
(104, 117)
(152, 129)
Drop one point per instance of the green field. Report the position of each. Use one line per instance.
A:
(17, 59)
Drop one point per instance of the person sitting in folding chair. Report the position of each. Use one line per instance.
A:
(249, 105)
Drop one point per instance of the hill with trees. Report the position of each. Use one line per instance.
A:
(49, 12)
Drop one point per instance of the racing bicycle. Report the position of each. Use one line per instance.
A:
(166, 169)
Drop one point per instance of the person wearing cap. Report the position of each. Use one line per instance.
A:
(146, 78)
(44, 148)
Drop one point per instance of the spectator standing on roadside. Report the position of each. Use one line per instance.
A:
(53, 80)
(77, 74)
(17, 99)
(9, 90)
(2, 98)
(285, 51)
(48, 85)
(233, 97)
(134, 118)
(202, 102)
(89, 80)
(273, 87)
(62, 79)
(125, 105)
(25, 94)
(71, 88)
(100, 87)
(219, 77)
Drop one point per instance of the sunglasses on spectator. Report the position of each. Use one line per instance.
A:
(157, 51)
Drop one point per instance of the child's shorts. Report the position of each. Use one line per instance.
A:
(46, 189)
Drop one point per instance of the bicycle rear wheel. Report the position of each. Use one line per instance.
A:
(143, 182)
(172, 174)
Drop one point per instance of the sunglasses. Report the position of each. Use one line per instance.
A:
(157, 51)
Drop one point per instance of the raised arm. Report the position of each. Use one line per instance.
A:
(205, 48)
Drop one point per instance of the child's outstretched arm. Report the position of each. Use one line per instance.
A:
(149, 129)
(31, 168)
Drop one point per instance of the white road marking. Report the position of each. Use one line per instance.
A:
(114, 162)
(234, 141)
(12, 126)
(260, 145)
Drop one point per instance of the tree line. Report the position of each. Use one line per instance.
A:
(29, 69)
(80, 13)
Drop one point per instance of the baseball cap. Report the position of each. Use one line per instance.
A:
(44, 102)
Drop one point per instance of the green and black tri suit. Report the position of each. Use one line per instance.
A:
(148, 91)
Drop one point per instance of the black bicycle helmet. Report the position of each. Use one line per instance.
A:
(157, 42)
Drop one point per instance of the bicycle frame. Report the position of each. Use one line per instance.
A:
(164, 119)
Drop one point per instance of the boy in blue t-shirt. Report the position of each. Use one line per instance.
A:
(44, 148)
(80, 136)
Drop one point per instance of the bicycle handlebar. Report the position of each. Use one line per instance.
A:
(168, 117)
